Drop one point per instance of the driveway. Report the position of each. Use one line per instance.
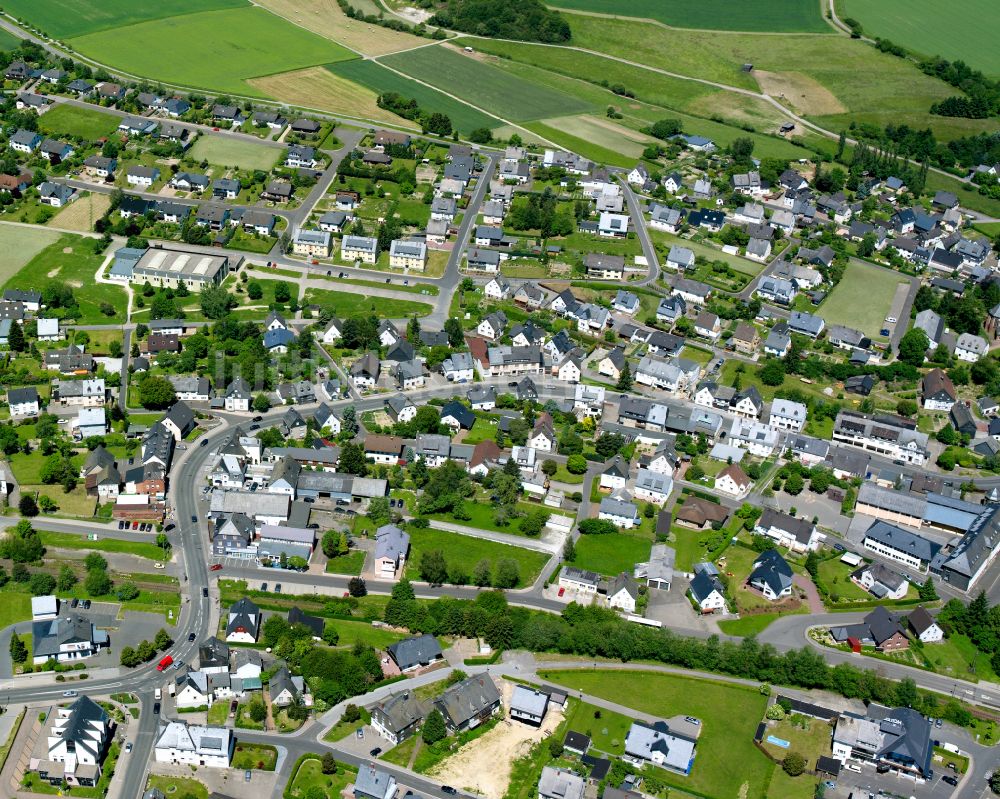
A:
(812, 595)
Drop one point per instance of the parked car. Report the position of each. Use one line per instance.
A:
(204, 442)
(128, 747)
(263, 586)
(277, 588)
(74, 602)
(204, 592)
(361, 732)
(86, 604)
(376, 751)
(156, 708)
(215, 567)
(949, 779)
(71, 693)
(191, 636)
(448, 789)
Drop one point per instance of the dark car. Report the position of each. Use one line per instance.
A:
(204, 441)
(156, 708)
(204, 592)
(257, 419)
(838, 547)
(376, 751)
(168, 527)
(448, 789)
(191, 636)
(86, 604)
(949, 779)
(74, 602)
(194, 520)
(277, 588)
(263, 586)
(121, 525)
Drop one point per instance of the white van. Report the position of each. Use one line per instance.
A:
(171, 688)
(157, 694)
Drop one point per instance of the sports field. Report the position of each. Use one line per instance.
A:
(729, 716)
(749, 15)
(67, 18)
(864, 84)
(969, 31)
(862, 298)
(469, 78)
(18, 245)
(221, 48)
(71, 120)
(379, 79)
(325, 17)
(227, 151)
(70, 259)
(319, 88)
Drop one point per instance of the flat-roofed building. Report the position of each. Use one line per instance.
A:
(170, 268)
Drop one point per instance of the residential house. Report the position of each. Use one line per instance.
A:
(798, 535)
(771, 575)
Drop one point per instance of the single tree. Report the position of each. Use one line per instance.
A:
(433, 567)
(356, 587)
(434, 727)
(18, 651)
(624, 379)
(793, 764)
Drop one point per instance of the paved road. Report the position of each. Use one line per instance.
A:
(639, 225)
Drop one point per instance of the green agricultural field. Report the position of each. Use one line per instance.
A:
(729, 715)
(71, 120)
(778, 16)
(8, 41)
(484, 85)
(862, 298)
(232, 45)
(226, 151)
(71, 259)
(344, 304)
(919, 25)
(66, 18)
(588, 149)
(832, 79)
(18, 245)
(611, 554)
(374, 76)
(466, 551)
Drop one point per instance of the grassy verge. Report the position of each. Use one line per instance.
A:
(342, 729)
(255, 756)
(73, 541)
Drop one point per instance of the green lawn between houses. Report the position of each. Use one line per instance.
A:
(466, 551)
(310, 774)
(862, 298)
(729, 715)
(613, 553)
(179, 786)
(230, 152)
(344, 304)
(71, 120)
(19, 244)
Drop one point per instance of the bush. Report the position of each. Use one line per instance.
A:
(793, 764)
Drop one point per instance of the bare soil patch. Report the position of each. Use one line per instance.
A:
(81, 214)
(803, 93)
(484, 765)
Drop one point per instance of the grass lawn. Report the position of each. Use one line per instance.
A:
(784, 787)
(748, 625)
(808, 736)
(236, 43)
(19, 244)
(73, 541)
(342, 728)
(611, 554)
(955, 656)
(914, 24)
(689, 545)
(481, 512)
(484, 85)
(351, 632)
(483, 429)
(310, 774)
(777, 16)
(465, 551)
(254, 756)
(14, 608)
(607, 730)
(71, 260)
(351, 563)
(729, 716)
(835, 577)
(862, 298)
(65, 18)
(225, 151)
(344, 304)
(76, 503)
(71, 120)
(218, 713)
(378, 79)
(178, 786)
(563, 475)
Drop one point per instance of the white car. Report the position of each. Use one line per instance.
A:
(71, 693)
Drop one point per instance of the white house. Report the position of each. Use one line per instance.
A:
(620, 512)
(653, 487)
(970, 347)
(733, 481)
(497, 289)
(787, 415)
(193, 745)
(623, 593)
(615, 475)
(924, 626)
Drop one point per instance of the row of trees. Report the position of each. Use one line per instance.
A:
(435, 569)
(145, 651)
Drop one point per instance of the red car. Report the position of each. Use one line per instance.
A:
(215, 567)
(165, 663)
(562, 591)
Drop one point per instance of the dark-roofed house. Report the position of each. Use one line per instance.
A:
(895, 543)
(469, 703)
(899, 738)
(243, 622)
(313, 623)
(937, 391)
(398, 717)
(66, 638)
(967, 561)
(415, 653)
(924, 627)
(698, 512)
(771, 575)
(72, 744)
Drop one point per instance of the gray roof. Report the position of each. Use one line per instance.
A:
(772, 570)
(411, 652)
(467, 699)
(391, 542)
(529, 700)
(977, 545)
(643, 741)
(373, 782)
(902, 540)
